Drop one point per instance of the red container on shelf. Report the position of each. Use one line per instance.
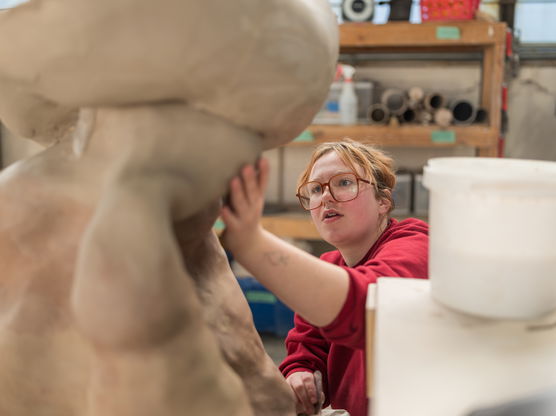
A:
(436, 10)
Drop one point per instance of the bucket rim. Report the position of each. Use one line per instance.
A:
(491, 174)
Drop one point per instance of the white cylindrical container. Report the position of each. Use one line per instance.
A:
(493, 235)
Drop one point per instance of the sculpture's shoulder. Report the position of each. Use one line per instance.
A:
(43, 215)
(41, 353)
(49, 182)
(40, 229)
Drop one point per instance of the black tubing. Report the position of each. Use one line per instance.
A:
(464, 112)
(378, 114)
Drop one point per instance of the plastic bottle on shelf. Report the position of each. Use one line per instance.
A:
(348, 98)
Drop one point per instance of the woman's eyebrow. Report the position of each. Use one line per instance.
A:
(318, 178)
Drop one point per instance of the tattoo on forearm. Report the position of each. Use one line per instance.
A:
(276, 258)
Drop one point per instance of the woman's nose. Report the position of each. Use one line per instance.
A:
(326, 194)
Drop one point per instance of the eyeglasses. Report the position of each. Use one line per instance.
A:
(343, 187)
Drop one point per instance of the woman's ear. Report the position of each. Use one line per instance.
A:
(385, 202)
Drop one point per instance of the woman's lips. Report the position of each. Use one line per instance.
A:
(330, 216)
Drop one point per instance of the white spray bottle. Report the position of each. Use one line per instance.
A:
(348, 98)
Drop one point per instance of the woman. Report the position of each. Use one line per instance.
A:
(347, 187)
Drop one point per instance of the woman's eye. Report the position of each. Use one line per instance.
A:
(316, 189)
(346, 182)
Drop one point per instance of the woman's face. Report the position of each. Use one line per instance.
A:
(351, 223)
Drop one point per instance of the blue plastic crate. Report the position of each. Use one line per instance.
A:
(283, 319)
(269, 314)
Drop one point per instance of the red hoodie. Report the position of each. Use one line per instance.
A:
(338, 350)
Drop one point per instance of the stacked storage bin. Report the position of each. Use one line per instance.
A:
(402, 194)
(410, 196)
(269, 314)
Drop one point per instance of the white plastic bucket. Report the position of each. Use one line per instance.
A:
(493, 235)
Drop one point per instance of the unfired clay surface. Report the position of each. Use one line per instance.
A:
(115, 296)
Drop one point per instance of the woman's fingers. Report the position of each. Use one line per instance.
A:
(303, 400)
(250, 184)
(309, 384)
(238, 198)
(241, 214)
(249, 189)
(246, 197)
(228, 217)
(303, 385)
(264, 170)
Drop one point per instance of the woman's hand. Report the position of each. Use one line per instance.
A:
(243, 213)
(304, 385)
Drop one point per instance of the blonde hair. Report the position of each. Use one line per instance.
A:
(376, 164)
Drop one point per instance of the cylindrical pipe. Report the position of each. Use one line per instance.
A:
(416, 95)
(378, 114)
(482, 116)
(463, 111)
(424, 117)
(443, 117)
(395, 100)
(408, 116)
(434, 101)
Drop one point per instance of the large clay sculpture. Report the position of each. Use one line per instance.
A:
(116, 298)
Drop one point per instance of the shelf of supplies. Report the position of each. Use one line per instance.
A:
(488, 38)
(441, 36)
(417, 136)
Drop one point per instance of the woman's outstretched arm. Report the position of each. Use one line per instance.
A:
(311, 287)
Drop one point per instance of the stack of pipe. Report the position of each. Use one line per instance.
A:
(415, 106)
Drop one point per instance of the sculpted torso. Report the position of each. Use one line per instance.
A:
(115, 295)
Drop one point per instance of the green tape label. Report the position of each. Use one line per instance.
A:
(448, 32)
(258, 296)
(219, 225)
(443, 136)
(306, 136)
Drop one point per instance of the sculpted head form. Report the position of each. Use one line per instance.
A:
(262, 65)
